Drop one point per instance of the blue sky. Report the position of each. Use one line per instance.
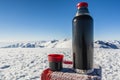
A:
(52, 19)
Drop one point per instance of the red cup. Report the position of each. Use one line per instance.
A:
(55, 61)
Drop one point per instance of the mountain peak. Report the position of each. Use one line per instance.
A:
(64, 43)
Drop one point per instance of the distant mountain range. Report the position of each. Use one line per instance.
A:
(65, 43)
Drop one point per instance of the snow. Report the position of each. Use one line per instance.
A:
(24, 64)
(28, 63)
(65, 43)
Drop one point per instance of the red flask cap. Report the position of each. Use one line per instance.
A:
(82, 4)
(55, 57)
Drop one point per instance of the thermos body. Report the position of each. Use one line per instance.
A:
(82, 42)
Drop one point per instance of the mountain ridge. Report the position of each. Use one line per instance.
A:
(65, 43)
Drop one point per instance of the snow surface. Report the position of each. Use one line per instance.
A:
(28, 63)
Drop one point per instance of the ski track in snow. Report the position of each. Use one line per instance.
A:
(28, 63)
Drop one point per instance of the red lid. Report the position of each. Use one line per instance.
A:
(55, 57)
(82, 4)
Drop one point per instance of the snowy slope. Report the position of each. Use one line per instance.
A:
(28, 63)
(65, 43)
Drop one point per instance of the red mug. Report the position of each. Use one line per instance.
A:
(55, 61)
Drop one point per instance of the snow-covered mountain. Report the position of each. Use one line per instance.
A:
(65, 43)
(107, 44)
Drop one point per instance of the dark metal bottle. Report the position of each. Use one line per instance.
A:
(82, 38)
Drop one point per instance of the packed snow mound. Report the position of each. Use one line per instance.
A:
(65, 43)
